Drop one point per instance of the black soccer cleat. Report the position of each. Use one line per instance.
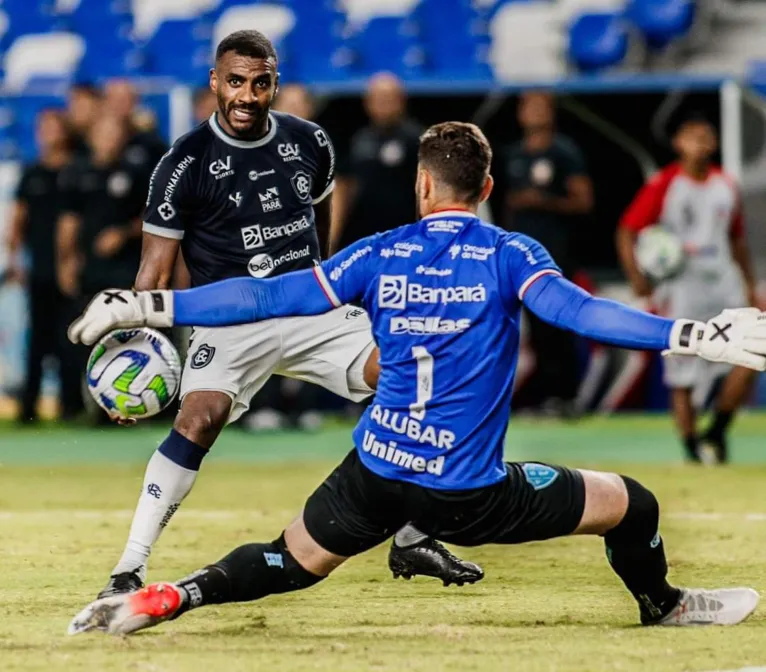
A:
(125, 582)
(430, 558)
(713, 450)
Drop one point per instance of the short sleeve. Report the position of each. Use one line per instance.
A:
(171, 190)
(646, 208)
(324, 181)
(22, 193)
(523, 260)
(345, 276)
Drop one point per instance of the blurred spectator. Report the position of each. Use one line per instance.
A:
(295, 99)
(144, 147)
(375, 187)
(205, 103)
(547, 189)
(33, 228)
(83, 105)
(99, 231)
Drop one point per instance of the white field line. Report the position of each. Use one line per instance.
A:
(245, 514)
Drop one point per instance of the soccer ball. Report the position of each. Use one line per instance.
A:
(659, 253)
(133, 373)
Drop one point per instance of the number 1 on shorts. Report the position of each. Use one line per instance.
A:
(425, 376)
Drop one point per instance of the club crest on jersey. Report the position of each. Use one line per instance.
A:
(221, 168)
(289, 151)
(539, 476)
(270, 200)
(202, 357)
(301, 182)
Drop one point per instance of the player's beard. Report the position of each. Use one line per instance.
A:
(252, 129)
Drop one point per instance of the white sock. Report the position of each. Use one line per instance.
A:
(165, 486)
(408, 536)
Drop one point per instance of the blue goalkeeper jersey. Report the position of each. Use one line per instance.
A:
(444, 296)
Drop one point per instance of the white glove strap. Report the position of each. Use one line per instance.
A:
(157, 307)
(685, 337)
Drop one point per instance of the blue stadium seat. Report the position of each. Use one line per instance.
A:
(390, 43)
(28, 23)
(598, 41)
(177, 49)
(661, 21)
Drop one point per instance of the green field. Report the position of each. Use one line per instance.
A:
(66, 498)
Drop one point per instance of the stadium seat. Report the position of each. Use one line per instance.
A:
(389, 43)
(149, 14)
(569, 10)
(176, 50)
(527, 42)
(49, 55)
(598, 41)
(359, 12)
(662, 21)
(274, 21)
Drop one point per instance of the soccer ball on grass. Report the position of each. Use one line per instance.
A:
(659, 253)
(133, 373)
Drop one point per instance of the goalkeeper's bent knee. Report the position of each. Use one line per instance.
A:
(640, 523)
(249, 572)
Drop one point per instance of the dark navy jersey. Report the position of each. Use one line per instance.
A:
(243, 207)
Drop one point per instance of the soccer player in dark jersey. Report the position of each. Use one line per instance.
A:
(444, 295)
(247, 193)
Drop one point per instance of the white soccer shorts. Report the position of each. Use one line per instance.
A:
(329, 350)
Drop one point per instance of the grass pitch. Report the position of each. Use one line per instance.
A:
(66, 498)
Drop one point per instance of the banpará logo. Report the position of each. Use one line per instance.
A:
(339, 270)
(394, 291)
(221, 168)
(289, 151)
(257, 235)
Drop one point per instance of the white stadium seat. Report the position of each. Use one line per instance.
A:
(527, 42)
(149, 14)
(274, 21)
(571, 9)
(42, 55)
(360, 12)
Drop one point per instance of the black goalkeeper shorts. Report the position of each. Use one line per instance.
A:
(355, 509)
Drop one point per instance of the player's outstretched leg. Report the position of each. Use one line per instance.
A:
(169, 477)
(248, 573)
(416, 554)
(627, 515)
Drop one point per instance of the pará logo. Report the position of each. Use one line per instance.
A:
(289, 151)
(270, 200)
(221, 168)
(301, 182)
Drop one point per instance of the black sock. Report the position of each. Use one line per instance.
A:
(691, 443)
(635, 551)
(248, 573)
(720, 424)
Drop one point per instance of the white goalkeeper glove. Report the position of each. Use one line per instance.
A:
(122, 308)
(736, 336)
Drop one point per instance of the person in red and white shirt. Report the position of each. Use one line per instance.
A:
(694, 199)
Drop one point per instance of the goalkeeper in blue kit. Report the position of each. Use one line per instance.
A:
(444, 297)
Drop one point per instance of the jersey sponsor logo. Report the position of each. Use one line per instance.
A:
(236, 198)
(221, 168)
(401, 458)
(324, 141)
(401, 250)
(341, 268)
(270, 199)
(254, 175)
(354, 313)
(170, 187)
(289, 151)
(445, 225)
(395, 291)
(404, 424)
(525, 249)
(471, 252)
(274, 560)
(202, 356)
(154, 175)
(301, 182)
(427, 325)
(428, 270)
(256, 236)
(539, 476)
(263, 265)
(166, 210)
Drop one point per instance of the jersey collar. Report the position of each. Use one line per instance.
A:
(243, 144)
(443, 214)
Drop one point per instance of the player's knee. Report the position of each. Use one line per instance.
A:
(641, 520)
(202, 419)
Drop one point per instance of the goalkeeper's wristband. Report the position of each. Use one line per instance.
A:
(157, 307)
(685, 337)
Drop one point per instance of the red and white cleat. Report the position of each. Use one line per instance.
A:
(126, 613)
